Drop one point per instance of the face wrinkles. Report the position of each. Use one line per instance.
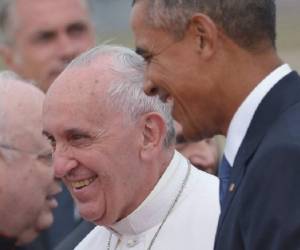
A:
(102, 169)
(31, 170)
(154, 67)
(149, 51)
(79, 104)
(153, 51)
(68, 144)
(168, 90)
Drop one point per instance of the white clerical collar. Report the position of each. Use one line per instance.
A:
(243, 116)
(154, 208)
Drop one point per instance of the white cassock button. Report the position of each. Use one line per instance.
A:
(132, 242)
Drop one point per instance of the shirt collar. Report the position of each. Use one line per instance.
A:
(244, 114)
(153, 209)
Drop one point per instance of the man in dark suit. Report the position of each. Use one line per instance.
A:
(217, 62)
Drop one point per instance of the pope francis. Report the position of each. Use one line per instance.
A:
(113, 147)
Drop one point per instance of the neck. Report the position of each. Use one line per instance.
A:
(244, 71)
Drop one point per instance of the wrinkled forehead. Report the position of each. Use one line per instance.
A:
(81, 83)
(79, 92)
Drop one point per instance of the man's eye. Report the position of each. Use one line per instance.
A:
(77, 137)
(44, 37)
(77, 29)
(79, 140)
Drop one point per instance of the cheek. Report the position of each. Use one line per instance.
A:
(97, 206)
(85, 42)
(178, 112)
(106, 197)
(92, 200)
(159, 75)
(33, 55)
(48, 176)
(37, 187)
(22, 198)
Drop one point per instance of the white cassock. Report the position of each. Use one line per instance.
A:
(191, 225)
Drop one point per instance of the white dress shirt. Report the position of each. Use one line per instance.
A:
(191, 224)
(243, 116)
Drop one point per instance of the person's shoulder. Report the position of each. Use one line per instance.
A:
(285, 130)
(94, 239)
(199, 207)
(203, 178)
(203, 187)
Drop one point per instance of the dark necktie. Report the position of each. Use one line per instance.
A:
(224, 175)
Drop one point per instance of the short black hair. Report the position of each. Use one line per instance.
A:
(247, 22)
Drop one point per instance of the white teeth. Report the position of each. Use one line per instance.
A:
(82, 183)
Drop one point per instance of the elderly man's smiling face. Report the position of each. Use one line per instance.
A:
(95, 148)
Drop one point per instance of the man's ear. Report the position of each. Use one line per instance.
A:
(8, 56)
(205, 34)
(154, 131)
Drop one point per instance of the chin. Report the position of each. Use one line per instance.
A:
(44, 221)
(91, 213)
(27, 237)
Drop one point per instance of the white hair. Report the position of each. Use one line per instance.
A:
(126, 89)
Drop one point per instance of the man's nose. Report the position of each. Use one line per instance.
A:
(63, 165)
(67, 48)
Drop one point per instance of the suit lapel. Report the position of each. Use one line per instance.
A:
(284, 94)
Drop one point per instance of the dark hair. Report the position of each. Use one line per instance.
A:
(247, 22)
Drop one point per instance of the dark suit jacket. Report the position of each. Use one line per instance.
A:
(7, 243)
(72, 240)
(262, 210)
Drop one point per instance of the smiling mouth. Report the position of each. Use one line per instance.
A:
(83, 183)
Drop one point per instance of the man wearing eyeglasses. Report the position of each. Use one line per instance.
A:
(27, 184)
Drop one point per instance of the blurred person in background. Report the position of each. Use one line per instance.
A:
(39, 38)
(203, 154)
(27, 184)
(114, 147)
